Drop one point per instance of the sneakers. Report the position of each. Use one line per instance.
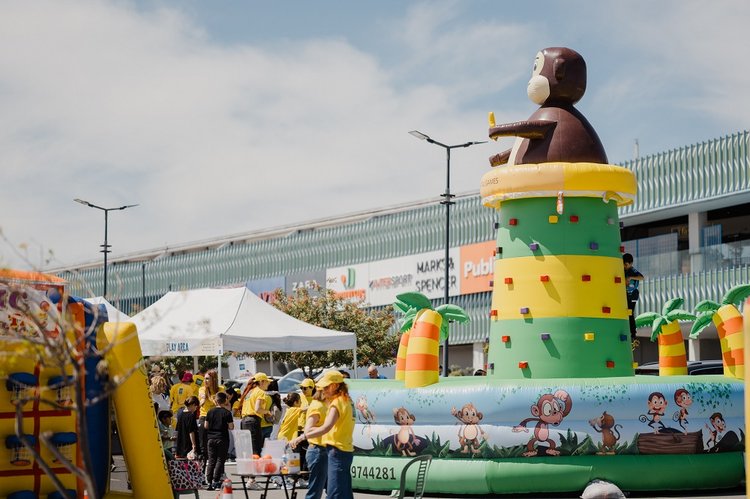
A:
(254, 486)
(302, 483)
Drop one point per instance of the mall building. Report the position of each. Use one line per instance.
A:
(689, 231)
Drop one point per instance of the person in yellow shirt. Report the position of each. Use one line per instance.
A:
(206, 394)
(338, 435)
(315, 455)
(290, 424)
(255, 405)
(181, 391)
(307, 388)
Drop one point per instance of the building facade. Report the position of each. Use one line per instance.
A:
(689, 231)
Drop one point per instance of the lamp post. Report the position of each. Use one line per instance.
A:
(105, 246)
(447, 202)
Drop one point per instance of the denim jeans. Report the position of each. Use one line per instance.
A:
(317, 464)
(217, 455)
(339, 474)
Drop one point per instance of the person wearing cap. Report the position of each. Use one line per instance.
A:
(181, 391)
(254, 406)
(316, 458)
(337, 431)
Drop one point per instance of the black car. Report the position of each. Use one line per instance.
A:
(694, 367)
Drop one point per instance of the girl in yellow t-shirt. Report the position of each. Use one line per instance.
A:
(337, 431)
(290, 424)
(315, 456)
(206, 394)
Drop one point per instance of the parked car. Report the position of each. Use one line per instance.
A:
(694, 367)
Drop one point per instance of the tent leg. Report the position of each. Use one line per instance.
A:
(354, 351)
(218, 367)
(270, 356)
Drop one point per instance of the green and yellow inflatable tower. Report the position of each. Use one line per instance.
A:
(558, 304)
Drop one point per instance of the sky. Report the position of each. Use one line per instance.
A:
(225, 117)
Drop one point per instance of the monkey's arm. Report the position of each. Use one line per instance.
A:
(536, 129)
(522, 425)
(500, 158)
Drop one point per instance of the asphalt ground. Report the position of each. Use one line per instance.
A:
(118, 481)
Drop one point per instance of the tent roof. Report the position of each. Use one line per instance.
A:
(210, 320)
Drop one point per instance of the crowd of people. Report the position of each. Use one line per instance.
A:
(195, 417)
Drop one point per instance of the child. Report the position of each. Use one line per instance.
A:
(290, 423)
(632, 280)
(168, 436)
(217, 424)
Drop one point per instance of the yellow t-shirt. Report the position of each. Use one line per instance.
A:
(290, 424)
(341, 435)
(208, 404)
(321, 409)
(178, 394)
(304, 404)
(248, 407)
(263, 422)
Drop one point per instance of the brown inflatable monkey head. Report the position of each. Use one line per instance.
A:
(559, 76)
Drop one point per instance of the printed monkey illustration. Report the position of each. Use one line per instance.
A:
(605, 424)
(715, 430)
(470, 431)
(364, 414)
(657, 406)
(556, 131)
(683, 399)
(405, 440)
(548, 411)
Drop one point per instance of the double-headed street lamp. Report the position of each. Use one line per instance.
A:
(105, 246)
(447, 202)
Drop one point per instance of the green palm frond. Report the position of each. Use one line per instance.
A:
(706, 306)
(658, 325)
(415, 300)
(408, 319)
(680, 315)
(701, 322)
(401, 306)
(450, 313)
(736, 295)
(646, 319)
(672, 304)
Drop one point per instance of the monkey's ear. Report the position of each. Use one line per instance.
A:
(413, 417)
(395, 411)
(558, 68)
(480, 416)
(535, 410)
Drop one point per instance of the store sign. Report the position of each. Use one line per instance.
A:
(349, 282)
(477, 267)
(265, 288)
(305, 280)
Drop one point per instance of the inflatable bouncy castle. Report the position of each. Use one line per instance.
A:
(62, 368)
(560, 405)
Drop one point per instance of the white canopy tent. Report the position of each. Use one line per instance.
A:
(212, 321)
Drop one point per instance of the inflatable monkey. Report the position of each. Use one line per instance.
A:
(556, 131)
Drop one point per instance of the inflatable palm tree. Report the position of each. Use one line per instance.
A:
(666, 329)
(426, 327)
(728, 320)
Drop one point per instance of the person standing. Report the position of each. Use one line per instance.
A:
(316, 457)
(255, 405)
(181, 391)
(159, 395)
(218, 422)
(187, 429)
(206, 394)
(372, 373)
(632, 279)
(337, 431)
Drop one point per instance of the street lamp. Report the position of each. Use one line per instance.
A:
(447, 202)
(105, 246)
